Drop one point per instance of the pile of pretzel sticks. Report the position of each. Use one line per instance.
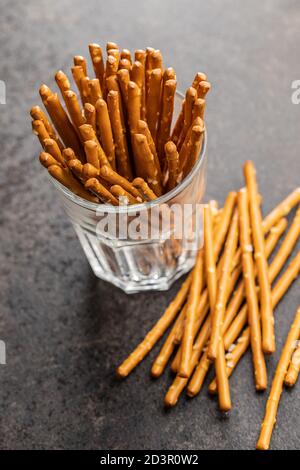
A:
(227, 302)
(115, 144)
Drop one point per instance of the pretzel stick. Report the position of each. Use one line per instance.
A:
(123, 196)
(294, 368)
(111, 45)
(39, 129)
(140, 56)
(94, 185)
(156, 60)
(38, 115)
(137, 74)
(88, 133)
(145, 163)
(169, 74)
(78, 75)
(156, 332)
(268, 335)
(209, 257)
(115, 53)
(126, 54)
(143, 187)
(91, 152)
(122, 156)
(63, 124)
(124, 79)
(199, 77)
(277, 384)
(199, 375)
(85, 90)
(134, 106)
(142, 128)
(74, 108)
(148, 70)
(165, 121)
(51, 147)
(197, 134)
(47, 160)
(80, 61)
(105, 132)
(95, 92)
(153, 101)
(190, 98)
(178, 125)
(203, 89)
(243, 341)
(76, 168)
(172, 158)
(112, 66)
(98, 64)
(260, 372)
(282, 209)
(90, 115)
(115, 179)
(125, 64)
(45, 92)
(67, 179)
(198, 109)
(62, 82)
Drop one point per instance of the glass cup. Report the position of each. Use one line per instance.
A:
(144, 246)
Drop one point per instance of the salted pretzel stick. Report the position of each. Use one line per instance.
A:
(62, 82)
(198, 109)
(90, 115)
(190, 98)
(209, 257)
(115, 179)
(122, 156)
(164, 125)
(94, 185)
(137, 74)
(63, 124)
(74, 108)
(243, 341)
(95, 92)
(268, 334)
(199, 375)
(105, 132)
(80, 61)
(112, 66)
(203, 89)
(259, 365)
(197, 134)
(193, 298)
(148, 70)
(144, 189)
(115, 53)
(124, 79)
(199, 77)
(277, 384)
(98, 63)
(153, 101)
(66, 178)
(172, 158)
(145, 163)
(282, 209)
(142, 128)
(78, 75)
(38, 115)
(45, 92)
(140, 56)
(123, 196)
(185, 150)
(125, 64)
(175, 135)
(111, 45)
(134, 106)
(39, 129)
(294, 368)
(85, 90)
(76, 168)
(51, 147)
(47, 160)
(156, 332)
(125, 54)
(156, 60)
(87, 133)
(91, 152)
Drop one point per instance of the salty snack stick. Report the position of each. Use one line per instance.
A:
(166, 114)
(136, 74)
(78, 75)
(111, 45)
(51, 147)
(80, 61)
(153, 101)
(203, 89)
(105, 132)
(209, 257)
(199, 77)
(47, 160)
(126, 54)
(172, 158)
(190, 318)
(156, 60)
(198, 109)
(65, 177)
(140, 56)
(222, 379)
(145, 163)
(133, 106)
(39, 129)
(115, 179)
(259, 365)
(185, 150)
(175, 135)
(112, 66)
(277, 385)
(91, 152)
(38, 115)
(124, 79)
(167, 349)
(45, 92)
(243, 342)
(87, 133)
(95, 92)
(144, 189)
(63, 124)
(125, 64)
(190, 98)
(223, 284)
(195, 147)
(148, 70)
(199, 375)
(294, 368)
(156, 332)
(62, 82)
(76, 167)
(85, 90)
(94, 185)
(98, 63)
(74, 108)
(90, 115)
(142, 128)
(122, 156)
(115, 53)
(281, 210)
(268, 334)
(123, 196)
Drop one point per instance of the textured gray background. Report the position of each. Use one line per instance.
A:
(65, 330)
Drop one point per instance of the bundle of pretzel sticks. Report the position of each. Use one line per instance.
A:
(115, 144)
(226, 304)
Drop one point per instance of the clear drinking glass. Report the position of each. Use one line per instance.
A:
(144, 246)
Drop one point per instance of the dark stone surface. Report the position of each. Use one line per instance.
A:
(66, 331)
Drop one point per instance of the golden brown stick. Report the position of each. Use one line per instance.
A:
(145, 190)
(95, 92)
(153, 101)
(172, 158)
(39, 129)
(197, 134)
(294, 368)
(66, 178)
(115, 179)
(74, 108)
(178, 125)
(145, 163)
(38, 115)
(156, 332)
(190, 98)
(87, 133)
(94, 185)
(47, 160)
(51, 147)
(122, 156)
(199, 375)
(112, 65)
(134, 106)
(189, 327)
(156, 60)
(282, 209)
(209, 257)
(125, 64)
(123, 196)
(198, 109)
(78, 75)
(277, 384)
(85, 90)
(148, 70)
(165, 121)
(243, 341)
(142, 128)
(220, 306)
(115, 53)
(185, 150)
(203, 89)
(98, 63)
(91, 152)
(111, 45)
(80, 61)
(126, 54)
(259, 365)
(45, 92)
(199, 77)
(62, 82)
(124, 79)
(137, 74)
(76, 168)
(268, 334)
(90, 115)
(63, 124)
(105, 132)
(169, 74)
(222, 379)
(140, 56)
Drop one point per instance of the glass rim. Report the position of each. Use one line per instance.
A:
(132, 208)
